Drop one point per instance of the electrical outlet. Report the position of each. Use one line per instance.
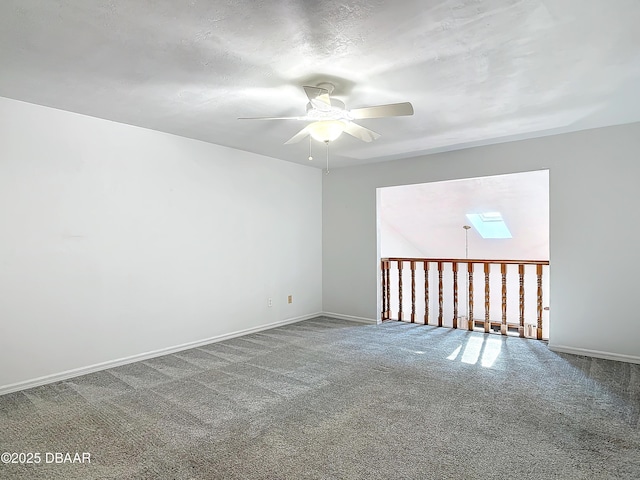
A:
(290, 299)
(270, 303)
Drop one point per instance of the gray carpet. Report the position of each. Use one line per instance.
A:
(332, 399)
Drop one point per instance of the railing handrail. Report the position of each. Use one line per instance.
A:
(465, 260)
(420, 263)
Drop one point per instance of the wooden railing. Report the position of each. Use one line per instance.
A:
(432, 270)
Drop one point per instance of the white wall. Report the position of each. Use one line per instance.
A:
(116, 241)
(594, 235)
(395, 244)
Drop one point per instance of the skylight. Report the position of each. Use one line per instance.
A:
(489, 224)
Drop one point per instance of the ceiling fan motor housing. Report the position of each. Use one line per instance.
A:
(336, 112)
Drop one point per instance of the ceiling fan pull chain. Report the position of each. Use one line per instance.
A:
(327, 171)
(310, 156)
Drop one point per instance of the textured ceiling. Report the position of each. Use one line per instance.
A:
(475, 71)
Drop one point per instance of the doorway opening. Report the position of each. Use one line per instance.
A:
(470, 253)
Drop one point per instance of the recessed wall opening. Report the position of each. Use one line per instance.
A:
(470, 253)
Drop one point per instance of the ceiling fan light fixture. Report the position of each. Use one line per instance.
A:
(326, 130)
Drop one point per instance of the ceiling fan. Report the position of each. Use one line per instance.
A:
(329, 117)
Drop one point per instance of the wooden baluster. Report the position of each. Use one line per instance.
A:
(384, 289)
(487, 322)
(413, 292)
(539, 274)
(386, 266)
(388, 290)
(470, 312)
(454, 267)
(521, 306)
(503, 326)
(400, 315)
(426, 292)
(439, 294)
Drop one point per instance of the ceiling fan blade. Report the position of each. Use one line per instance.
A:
(273, 118)
(360, 132)
(391, 110)
(319, 98)
(298, 136)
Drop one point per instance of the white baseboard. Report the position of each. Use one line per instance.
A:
(76, 372)
(350, 317)
(618, 357)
